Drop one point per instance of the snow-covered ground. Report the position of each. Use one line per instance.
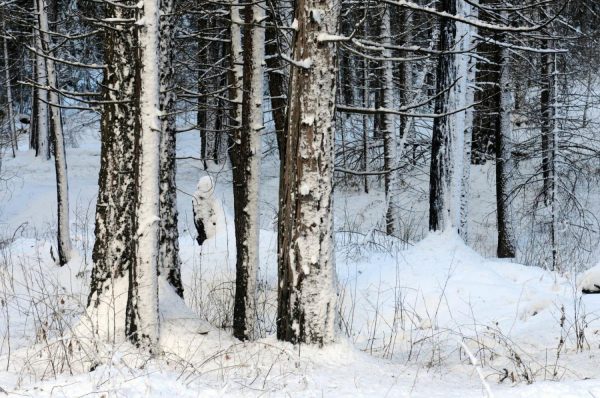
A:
(435, 319)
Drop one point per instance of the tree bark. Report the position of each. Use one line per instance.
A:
(306, 295)
(142, 325)
(169, 263)
(42, 147)
(246, 173)
(58, 141)
(9, 96)
(440, 189)
(390, 144)
(113, 251)
(506, 244)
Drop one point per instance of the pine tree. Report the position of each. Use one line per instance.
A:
(306, 297)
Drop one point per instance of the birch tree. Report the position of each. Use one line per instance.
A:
(169, 262)
(246, 171)
(113, 251)
(306, 296)
(390, 146)
(142, 325)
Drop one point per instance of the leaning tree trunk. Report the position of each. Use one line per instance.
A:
(443, 214)
(142, 324)
(390, 145)
(246, 172)
(58, 143)
(306, 295)
(169, 263)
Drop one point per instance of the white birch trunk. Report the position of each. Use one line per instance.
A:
(391, 158)
(246, 195)
(58, 141)
(145, 276)
(466, 69)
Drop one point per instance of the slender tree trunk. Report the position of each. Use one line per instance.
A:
(42, 131)
(58, 142)
(9, 96)
(246, 173)
(306, 296)
(506, 244)
(466, 71)
(142, 326)
(390, 144)
(169, 263)
(547, 66)
(202, 114)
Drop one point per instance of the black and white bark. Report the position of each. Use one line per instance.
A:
(246, 171)
(169, 262)
(306, 295)
(388, 129)
(113, 251)
(142, 325)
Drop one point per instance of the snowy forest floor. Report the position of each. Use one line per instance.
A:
(413, 317)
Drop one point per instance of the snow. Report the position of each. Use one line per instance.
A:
(407, 313)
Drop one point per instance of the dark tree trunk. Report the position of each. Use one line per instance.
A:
(277, 85)
(169, 263)
(547, 116)
(439, 177)
(506, 244)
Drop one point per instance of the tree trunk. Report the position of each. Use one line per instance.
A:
(506, 244)
(442, 215)
(390, 144)
(142, 325)
(246, 173)
(58, 142)
(466, 72)
(42, 148)
(306, 296)
(9, 96)
(169, 263)
(276, 71)
(113, 251)
(547, 116)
